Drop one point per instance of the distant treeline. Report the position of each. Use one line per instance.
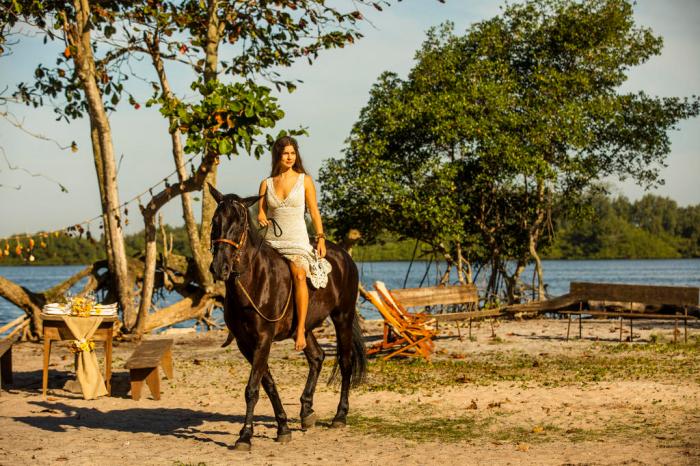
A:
(652, 227)
(78, 249)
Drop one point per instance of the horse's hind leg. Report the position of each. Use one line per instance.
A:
(315, 356)
(343, 331)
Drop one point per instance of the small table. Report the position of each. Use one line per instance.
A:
(56, 329)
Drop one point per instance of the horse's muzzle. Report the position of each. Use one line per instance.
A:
(220, 273)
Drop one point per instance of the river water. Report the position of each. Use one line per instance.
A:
(558, 274)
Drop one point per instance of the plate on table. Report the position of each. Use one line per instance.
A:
(104, 310)
(55, 309)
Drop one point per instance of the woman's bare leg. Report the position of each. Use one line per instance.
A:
(301, 298)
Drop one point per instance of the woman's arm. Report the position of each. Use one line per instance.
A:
(262, 205)
(312, 205)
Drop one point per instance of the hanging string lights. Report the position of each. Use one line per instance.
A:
(25, 244)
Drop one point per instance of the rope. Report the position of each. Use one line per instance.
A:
(284, 311)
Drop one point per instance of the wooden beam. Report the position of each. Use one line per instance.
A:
(670, 295)
(468, 315)
(436, 295)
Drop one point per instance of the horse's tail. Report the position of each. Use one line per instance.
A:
(358, 361)
(359, 354)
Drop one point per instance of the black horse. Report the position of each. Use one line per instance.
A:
(259, 310)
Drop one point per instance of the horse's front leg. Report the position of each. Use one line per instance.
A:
(252, 390)
(314, 355)
(284, 434)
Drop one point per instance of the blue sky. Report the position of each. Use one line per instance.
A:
(333, 91)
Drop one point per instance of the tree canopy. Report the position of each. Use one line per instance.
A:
(468, 152)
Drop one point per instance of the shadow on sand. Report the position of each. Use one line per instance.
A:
(177, 422)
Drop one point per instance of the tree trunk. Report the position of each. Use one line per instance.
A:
(193, 307)
(112, 292)
(534, 233)
(78, 36)
(460, 273)
(149, 213)
(28, 301)
(205, 278)
(214, 29)
(538, 268)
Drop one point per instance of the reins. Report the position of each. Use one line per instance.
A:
(284, 311)
(238, 245)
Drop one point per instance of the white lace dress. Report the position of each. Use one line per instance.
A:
(294, 243)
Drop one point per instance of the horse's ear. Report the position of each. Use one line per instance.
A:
(218, 197)
(249, 201)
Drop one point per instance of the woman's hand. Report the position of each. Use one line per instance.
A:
(321, 247)
(262, 219)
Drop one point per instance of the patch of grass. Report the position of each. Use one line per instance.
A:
(616, 363)
(658, 345)
(422, 430)
(494, 428)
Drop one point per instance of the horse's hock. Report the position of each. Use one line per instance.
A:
(143, 366)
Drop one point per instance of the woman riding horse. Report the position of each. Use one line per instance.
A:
(259, 285)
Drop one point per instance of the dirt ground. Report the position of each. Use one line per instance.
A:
(523, 396)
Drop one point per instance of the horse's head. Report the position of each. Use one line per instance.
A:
(229, 232)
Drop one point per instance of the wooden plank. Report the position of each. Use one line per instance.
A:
(550, 305)
(631, 315)
(468, 315)
(9, 325)
(5, 345)
(435, 295)
(670, 295)
(148, 354)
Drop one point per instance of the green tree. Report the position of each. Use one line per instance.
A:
(248, 41)
(491, 126)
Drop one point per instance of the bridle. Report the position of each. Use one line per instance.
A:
(241, 241)
(238, 246)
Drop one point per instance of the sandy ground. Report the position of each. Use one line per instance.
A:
(647, 421)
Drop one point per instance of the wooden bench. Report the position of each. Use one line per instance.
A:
(466, 296)
(625, 296)
(143, 366)
(6, 362)
(14, 327)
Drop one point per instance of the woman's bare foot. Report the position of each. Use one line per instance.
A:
(300, 343)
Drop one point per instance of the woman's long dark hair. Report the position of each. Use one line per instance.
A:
(278, 148)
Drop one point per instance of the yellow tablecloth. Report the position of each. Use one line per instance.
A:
(87, 370)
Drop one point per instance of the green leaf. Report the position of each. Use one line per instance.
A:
(225, 147)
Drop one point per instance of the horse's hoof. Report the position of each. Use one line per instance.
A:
(284, 438)
(309, 421)
(241, 446)
(338, 425)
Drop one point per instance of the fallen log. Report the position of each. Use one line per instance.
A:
(536, 307)
(191, 307)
